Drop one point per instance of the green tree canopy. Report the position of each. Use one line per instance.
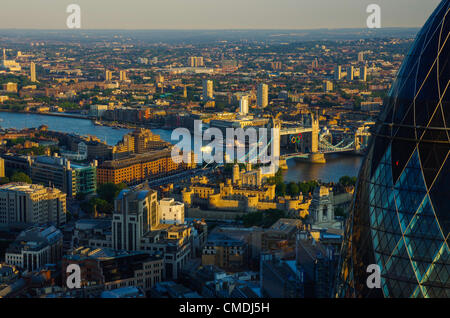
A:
(109, 191)
(293, 189)
(20, 177)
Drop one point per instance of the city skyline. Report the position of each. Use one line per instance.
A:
(201, 15)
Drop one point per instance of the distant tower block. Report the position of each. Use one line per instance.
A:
(208, 90)
(350, 72)
(108, 76)
(361, 57)
(263, 95)
(123, 76)
(338, 72)
(244, 105)
(33, 72)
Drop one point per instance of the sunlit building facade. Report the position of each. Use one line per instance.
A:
(400, 218)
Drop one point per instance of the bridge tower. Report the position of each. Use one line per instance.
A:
(357, 142)
(315, 133)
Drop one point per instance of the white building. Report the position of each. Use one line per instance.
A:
(171, 211)
(243, 104)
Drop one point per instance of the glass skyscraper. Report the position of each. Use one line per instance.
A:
(400, 217)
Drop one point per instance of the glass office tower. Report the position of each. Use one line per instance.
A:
(400, 217)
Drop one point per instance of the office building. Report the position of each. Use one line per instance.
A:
(35, 247)
(135, 213)
(400, 217)
(110, 269)
(62, 174)
(31, 204)
(262, 95)
(225, 253)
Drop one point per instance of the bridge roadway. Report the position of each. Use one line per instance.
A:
(305, 155)
(294, 131)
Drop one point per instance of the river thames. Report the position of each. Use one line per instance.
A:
(336, 166)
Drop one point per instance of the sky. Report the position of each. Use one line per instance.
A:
(212, 14)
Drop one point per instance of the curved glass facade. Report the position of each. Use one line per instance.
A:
(400, 218)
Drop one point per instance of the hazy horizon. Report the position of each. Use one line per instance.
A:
(213, 15)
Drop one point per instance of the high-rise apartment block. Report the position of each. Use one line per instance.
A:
(338, 73)
(262, 95)
(33, 72)
(123, 76)
(363, 73)
(196, 61)
(108, 76)
(208, 90)
(243, 105)
(350, 73)
(361, 57)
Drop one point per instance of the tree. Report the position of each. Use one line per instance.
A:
(307, 187)
(280, 189)
(109, 191)
(262, 218)
(293, 189)
(347, 181)
(20, 177)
